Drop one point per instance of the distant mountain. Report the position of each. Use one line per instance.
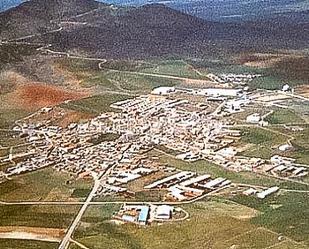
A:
(214, 10)
(151, 30)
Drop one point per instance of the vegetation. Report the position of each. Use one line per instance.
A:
(96, 104)
(287, 213)
(177, 68)
(26, 244)
(46, 184)
(37, 216)
(137, 82)
(264, 142)
(104, 138)
(223, 229)
(284, 116)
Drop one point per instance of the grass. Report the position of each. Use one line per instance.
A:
(26, 244)
(37, 216)
(46, 184)
(177, 68)
(95, 104)
(264, 142)
(290, 217)
(284, 116)
(212, 224)
(9, 116)
(135, 82)
(104, 137)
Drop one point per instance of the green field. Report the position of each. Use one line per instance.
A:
(284, 116)
(141, 83)
(38, 216)
(46, 184)
(179, 68)
(287, 214)
(212, 224)
(264, 142)
(21, 244)
(96, 104)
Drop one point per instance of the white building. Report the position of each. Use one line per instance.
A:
(163, 90)
(164, 212)
(285, 88)
(267, 192)
(253, 118)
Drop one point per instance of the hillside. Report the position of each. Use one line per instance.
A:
(38, 16)
(153, 30)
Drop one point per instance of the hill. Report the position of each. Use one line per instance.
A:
(152, 30)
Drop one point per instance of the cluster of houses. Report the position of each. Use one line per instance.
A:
(191, 131)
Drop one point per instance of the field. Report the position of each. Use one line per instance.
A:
(286, 214)
(20, 244)
(96, 104)
(212, 224)
(42, 185)
(179, 68)
(284, 116)
(45, 216)
(263, 142)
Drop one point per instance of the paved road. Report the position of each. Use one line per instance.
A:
(66, 240)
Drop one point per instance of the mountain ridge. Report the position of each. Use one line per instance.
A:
(136, 32)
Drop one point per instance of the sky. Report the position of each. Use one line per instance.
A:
(215, 10)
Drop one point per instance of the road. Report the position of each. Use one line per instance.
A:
(66, 240)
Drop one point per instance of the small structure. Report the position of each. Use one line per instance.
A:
(286, 88)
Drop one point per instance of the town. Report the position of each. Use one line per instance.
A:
(113, 148)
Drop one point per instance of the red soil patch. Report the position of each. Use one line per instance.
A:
(303, 90)
(37, 95)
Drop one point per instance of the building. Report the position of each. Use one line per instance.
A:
(163, 212)
(253, 118)
(286, 88)
(218, 92)
(267, 192)
(143, 215)
(163, 90)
